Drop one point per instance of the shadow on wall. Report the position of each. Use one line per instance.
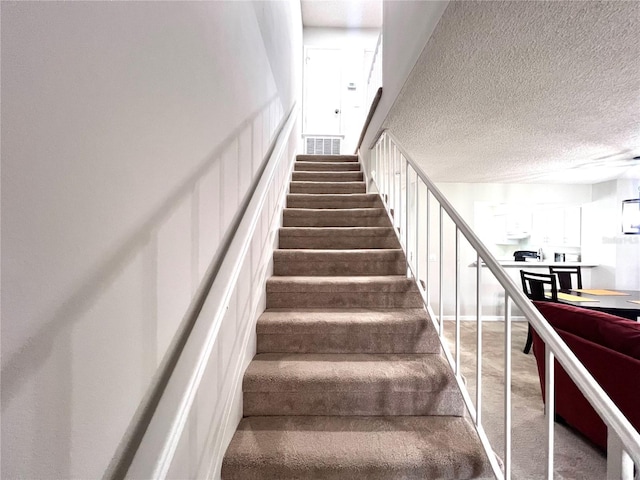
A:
(84, 379)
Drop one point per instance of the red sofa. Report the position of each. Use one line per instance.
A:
(609, 348)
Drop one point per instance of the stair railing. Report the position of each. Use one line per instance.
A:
(372, 110)
(401, 184)
(168, 448)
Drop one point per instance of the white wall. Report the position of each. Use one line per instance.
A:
(617, 254)
(216, 410)
(356, 46)
(407, 26)
(131, 132)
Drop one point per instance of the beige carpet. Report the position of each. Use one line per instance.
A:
(575, 457)
(349, 381)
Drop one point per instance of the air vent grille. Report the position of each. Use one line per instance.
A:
(323, 146)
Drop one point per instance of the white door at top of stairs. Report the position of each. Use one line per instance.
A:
(322, 107)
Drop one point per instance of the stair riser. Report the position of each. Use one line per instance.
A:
(327, 158)
(327, 176)
(343, 300)
(387, 255)
(327, 187)
(357, 342)
(294, 219)
(326, 167)
(338, 242)
(353, 403)
(319, 202)
(326, 268)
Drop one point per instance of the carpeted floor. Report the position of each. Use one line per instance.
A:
(575, 457)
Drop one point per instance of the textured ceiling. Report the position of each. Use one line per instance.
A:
(525, 92)
(342, 13)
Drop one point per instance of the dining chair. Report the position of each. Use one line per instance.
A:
(533, 285)
(565, 276)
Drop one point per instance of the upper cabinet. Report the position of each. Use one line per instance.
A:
(556, 226)
(511, 224)
(530, 226)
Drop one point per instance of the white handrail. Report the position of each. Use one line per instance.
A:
(154, 455)
(619, 426)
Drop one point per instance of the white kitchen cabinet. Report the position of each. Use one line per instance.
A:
(555, 226)
(511, 225)
(572, 226)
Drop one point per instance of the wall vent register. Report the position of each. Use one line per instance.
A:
(322, 146)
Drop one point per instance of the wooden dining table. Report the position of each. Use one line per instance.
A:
(623, 303)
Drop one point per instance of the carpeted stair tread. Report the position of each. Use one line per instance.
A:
(346, 331)
(344, 299)
(327, 176)
(350, 384)
(315, 320)
(347, 217)
(302, 166)
(334, 231)
(336, 238)
(378, 284)
(327, 187)
(383, 291)
(319, 372)
(349, 200)
(316, 262)
(327, 158)
(354, 448)
(342, 255)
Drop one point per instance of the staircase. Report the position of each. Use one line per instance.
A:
(349, 381)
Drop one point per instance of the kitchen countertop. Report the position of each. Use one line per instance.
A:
(542, 264)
